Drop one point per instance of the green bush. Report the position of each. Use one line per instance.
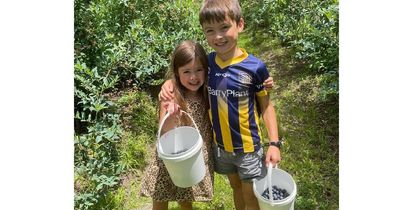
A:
(119, 43)
(132, 39)
(96, 162)
(139, 112)
(97, 132)
(140, 122)
(310, 28)
(90, 103)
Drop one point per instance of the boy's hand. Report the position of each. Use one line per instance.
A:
(273, 155)
(167, 91)
(268, 83)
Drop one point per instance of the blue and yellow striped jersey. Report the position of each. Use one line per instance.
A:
(233, 86)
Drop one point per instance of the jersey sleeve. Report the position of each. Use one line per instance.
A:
(261, 75)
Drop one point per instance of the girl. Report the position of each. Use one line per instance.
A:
(189, 72)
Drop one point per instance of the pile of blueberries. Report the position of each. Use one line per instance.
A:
(179, 151)
(277, 193)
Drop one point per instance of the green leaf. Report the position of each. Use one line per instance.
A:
(98, 139)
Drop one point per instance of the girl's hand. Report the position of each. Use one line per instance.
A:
(172, 108)
(268, 83)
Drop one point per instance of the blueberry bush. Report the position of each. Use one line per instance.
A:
(118, 44)
(309, 28)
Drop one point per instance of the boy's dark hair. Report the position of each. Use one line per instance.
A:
(217, 10)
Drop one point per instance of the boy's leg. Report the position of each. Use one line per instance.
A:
(224, 164)
(158, 205)
(250, 166)
(186, 205)
(236, 185)
(248, 196)
(241, 169)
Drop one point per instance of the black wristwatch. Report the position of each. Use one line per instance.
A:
(275, 143)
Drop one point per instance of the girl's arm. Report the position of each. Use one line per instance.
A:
(173, 109)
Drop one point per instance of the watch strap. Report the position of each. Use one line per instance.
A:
(275, 143)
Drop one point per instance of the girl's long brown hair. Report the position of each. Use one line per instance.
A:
(184, 53)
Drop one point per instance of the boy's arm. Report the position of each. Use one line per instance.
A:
(167, 91)
(273, 154)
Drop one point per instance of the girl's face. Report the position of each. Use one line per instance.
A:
(191, 75)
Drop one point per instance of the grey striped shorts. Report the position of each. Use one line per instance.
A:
(249, 166)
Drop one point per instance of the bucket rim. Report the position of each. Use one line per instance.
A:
(184, 155)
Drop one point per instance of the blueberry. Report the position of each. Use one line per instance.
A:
(277, 193)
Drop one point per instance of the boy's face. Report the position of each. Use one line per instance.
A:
(222, 36)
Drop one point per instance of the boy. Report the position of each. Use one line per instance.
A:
(234, 84)
(235, 87)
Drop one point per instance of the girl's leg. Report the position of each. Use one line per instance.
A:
(186, 205)
(236, 185)
(160, 205)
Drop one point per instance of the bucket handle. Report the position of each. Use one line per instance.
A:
(163, 121)
(268, 183)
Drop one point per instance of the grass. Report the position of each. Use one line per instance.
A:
(222, 196)
(126, 196)
(308, 125)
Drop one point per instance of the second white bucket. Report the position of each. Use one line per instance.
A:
(281, 179)
(180, 150)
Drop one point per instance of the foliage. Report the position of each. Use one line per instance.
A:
(90, 103)
(96, 168)
(132, 39)
(95, 163)
(310, 28)
(139, 112)
(119, 43)
(139, 119)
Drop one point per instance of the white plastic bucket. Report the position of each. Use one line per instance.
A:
(281, 179)
(186, 168)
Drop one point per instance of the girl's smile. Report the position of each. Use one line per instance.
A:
(192, 75)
